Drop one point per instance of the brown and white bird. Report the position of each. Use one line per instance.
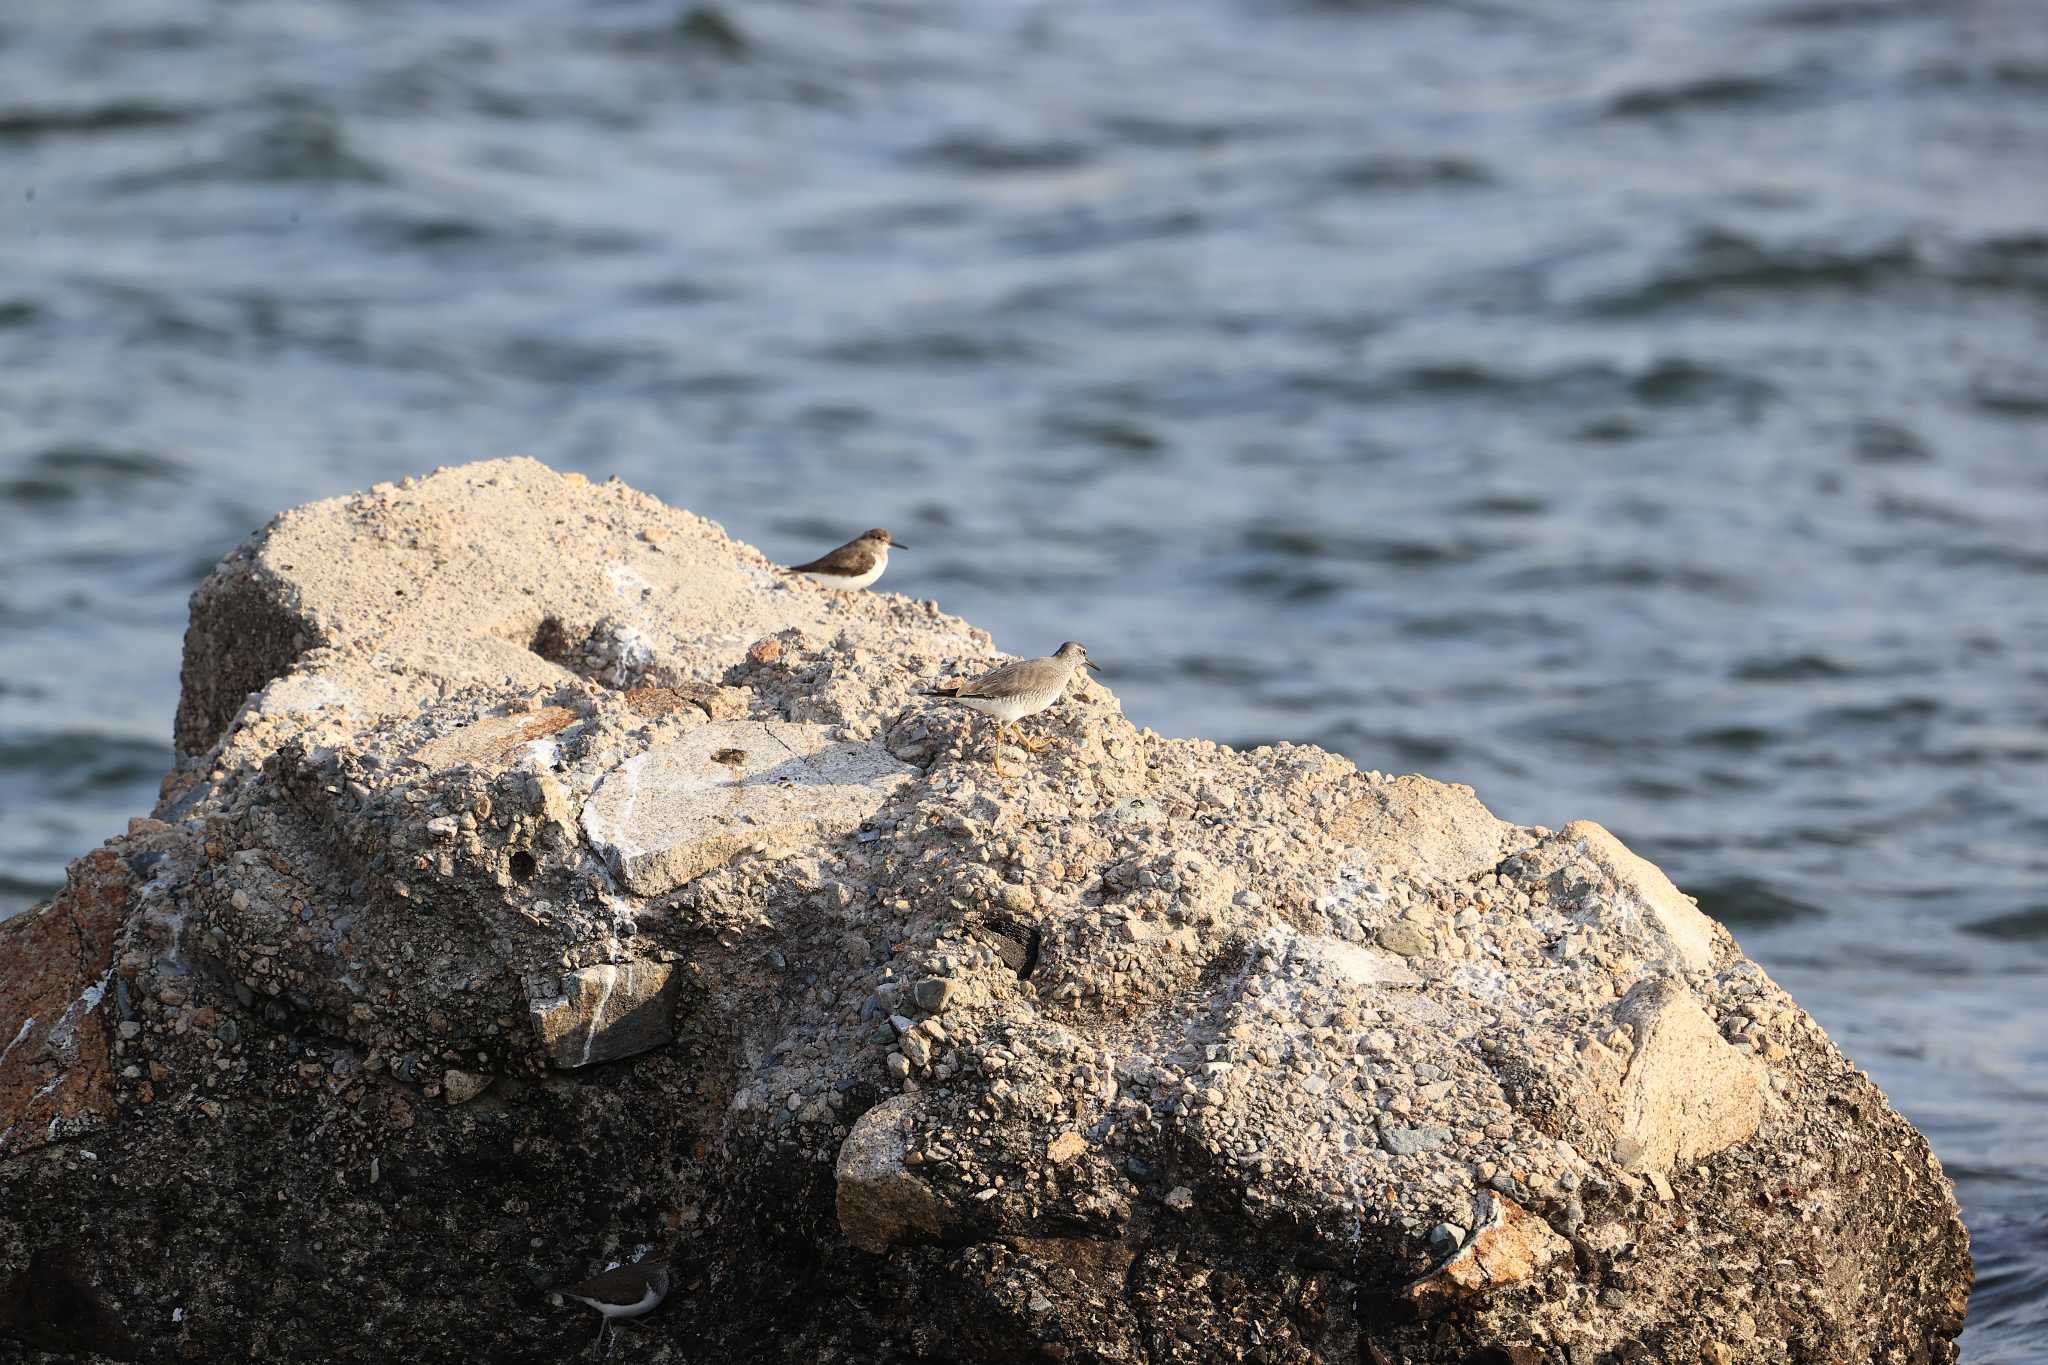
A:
(854, 565)
(626, 1291)
(1017, 690)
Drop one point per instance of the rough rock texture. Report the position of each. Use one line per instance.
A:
(55, 966)
(547, 881)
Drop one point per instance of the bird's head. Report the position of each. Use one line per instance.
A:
(1076, 655)
(880, 537)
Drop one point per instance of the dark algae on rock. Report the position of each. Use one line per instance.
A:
(452, 968)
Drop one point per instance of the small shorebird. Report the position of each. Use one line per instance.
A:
(854, 565)
(1017, 690)
(626, 1291)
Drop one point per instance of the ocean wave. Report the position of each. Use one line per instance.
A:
(1718, 261)
(301, 145)
(2026, 75)
(28, 122)
(1079, 227)
(703, 31)
(2013, 260)
(1287, 583)
(994, 154)
(22, 893)
(1796, 667)
(1505, 505)
(1122, 438)
(1454, 378)
(1391, 171)
(1875, 441)
(2009, 1302)
(68, 472)
(1892, 714)
(1665, 381)
(1706, 92)
(73, 764)
(1746, 903)
(1681, 381)
(1486, 624)
(1827, 14)
(1165, 131)
(885, 227)
(2025, 400)
(2026, 925)
(711, 30)
(1632, 574)
(1401, 551)
(942, 348)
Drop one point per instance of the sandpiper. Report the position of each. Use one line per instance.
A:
(625, 1291)
(1017, 690)
(854, 565)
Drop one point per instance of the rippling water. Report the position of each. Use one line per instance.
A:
(1636, 411)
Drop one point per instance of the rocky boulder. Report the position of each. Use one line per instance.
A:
(546, 881)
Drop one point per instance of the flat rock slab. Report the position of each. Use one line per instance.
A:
(680, 810)
(1412, 822)
(606, 1012)
(1360, 966)
(495, 741)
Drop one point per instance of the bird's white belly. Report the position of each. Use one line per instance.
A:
(648, 1299)
(1007, 709)
(847, 582)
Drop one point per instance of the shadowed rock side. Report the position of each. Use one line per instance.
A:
(576, 888)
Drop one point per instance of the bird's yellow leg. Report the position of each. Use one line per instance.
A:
(998, 759)
(1036, 746)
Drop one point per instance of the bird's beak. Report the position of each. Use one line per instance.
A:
(898, 545)
(1092, 664)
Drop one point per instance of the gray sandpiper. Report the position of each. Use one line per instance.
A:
(625, 1291)
(855, 564)
(1017, 690)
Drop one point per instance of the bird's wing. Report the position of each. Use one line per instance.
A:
(851, 559)
(995, 682)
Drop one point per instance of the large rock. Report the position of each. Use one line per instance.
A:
(546, 881)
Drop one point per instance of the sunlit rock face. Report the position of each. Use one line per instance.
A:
(547, 881)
